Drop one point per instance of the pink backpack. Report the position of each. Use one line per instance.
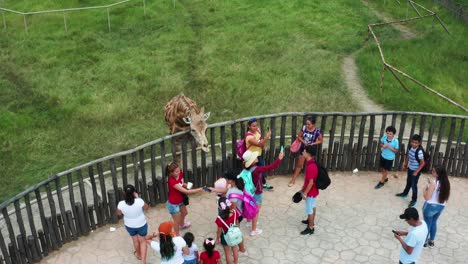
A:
(241, 146)
(250, 208)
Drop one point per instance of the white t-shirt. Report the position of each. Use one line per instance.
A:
(415, 238)
(134, 215)
(192, 250)
(435, 195)
(179, 243)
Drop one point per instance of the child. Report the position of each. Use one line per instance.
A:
(389, 145)
(170, 246)
(228, 217)
(250, 163)
(414, 168)
(210, 256)
(192, 257)
(177, 187)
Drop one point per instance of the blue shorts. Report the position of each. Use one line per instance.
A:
(311, 203)
(258, 198)
(141, 231)
(173, 208)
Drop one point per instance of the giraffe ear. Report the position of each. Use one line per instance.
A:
(187, 120)
(206, 116)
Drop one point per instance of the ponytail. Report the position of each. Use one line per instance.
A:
(129, 194)
(444, 184)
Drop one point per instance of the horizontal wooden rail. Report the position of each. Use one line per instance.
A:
(70, 204)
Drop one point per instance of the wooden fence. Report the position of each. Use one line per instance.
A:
(72, 203)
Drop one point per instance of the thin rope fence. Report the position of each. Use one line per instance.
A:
(393, 69)
(64, 12)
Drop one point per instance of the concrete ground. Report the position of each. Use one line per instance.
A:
(353, 225)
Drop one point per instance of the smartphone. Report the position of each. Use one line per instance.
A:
(282, 149)
(206, 189)
(395, 232)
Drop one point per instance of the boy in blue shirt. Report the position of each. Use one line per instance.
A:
(413, 168)
(389, 146)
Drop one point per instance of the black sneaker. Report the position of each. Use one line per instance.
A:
(386, 180)
(412, 204)
(306, 222)
(426, 244)
(308, 231)
(401, 195)
(379, 185)
(267, 187)
(431, 243)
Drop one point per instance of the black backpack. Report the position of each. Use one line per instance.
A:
(323, 180)
(427, 159)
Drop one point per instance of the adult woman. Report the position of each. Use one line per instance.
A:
(436, 195)
(175, 198)
(255, 143)
(170, 246)
(133, 209)
(309, 135)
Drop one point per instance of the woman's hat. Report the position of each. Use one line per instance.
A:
(249, 157)
(297, 197)
(166, 228)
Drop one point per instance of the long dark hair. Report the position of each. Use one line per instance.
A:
(444, 184)
(129, 194)
(189, 237)
(209, 248)
(224, 213)
(166, 246)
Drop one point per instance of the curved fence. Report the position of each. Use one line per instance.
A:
(73, 203)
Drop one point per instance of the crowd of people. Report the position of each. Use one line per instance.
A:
(240, 197)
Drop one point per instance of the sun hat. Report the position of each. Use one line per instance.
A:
(166, 228)
(249, 157)
(297, 197)
(410, 213)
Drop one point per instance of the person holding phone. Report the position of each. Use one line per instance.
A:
(436, 195)
(255, 143)
(308, 136)
(412, 244)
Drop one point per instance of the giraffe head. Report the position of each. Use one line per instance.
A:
(197, 122)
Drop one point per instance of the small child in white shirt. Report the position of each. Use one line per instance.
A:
(192, 257)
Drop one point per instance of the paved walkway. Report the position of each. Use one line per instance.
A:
(353, 225)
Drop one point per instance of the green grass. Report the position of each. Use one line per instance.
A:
(435, 58)
(67, 98)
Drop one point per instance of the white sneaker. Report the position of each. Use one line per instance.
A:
(243, 254)
(256, 232)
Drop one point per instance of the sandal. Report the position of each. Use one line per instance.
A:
(136, 255)
(186, 225)
(290, 184)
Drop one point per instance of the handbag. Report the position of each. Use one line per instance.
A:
(295, 146)
(186, 199)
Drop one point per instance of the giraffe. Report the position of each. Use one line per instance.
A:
(181, 113)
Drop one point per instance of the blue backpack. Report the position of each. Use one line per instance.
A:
(246, 175)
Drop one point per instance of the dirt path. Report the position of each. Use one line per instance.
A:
(350, 69)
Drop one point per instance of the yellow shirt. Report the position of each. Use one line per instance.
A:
(257, 137)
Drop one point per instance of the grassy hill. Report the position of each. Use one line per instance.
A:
(70, 97)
